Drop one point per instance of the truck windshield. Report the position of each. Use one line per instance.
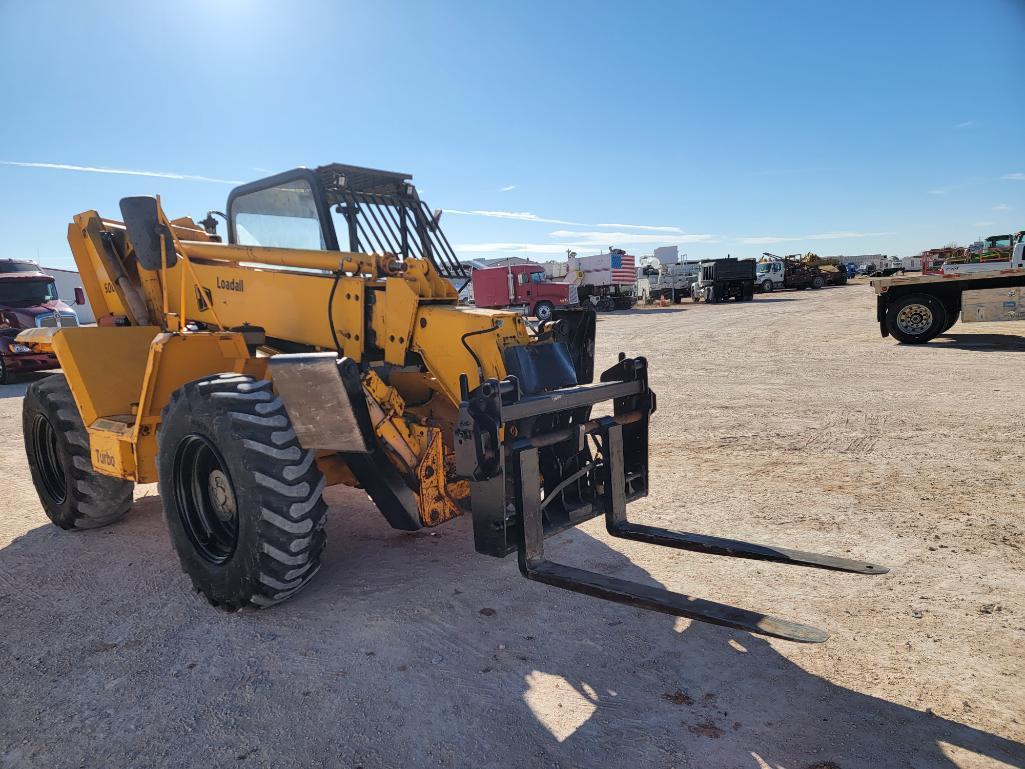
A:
(764, 267)
(25, 293)
(12, 265)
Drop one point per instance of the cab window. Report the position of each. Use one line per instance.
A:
(283, 217)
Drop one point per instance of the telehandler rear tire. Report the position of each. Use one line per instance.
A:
(243, 500)
(57, 448)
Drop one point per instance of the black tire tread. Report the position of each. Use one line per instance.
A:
(95, 500)
(284, 478)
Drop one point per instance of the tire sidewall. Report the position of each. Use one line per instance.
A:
(223, 581)
(939, 319)
(543, 310)
(35, 405)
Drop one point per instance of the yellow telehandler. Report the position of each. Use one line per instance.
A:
(324, 343)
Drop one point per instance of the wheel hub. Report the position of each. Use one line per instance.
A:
(222, 498)
(914, 319)
(48, 453)
(205, 498)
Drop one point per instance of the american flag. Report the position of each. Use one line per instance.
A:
(624, 269)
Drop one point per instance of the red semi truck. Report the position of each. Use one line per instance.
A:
(28, 299)
(523, 286)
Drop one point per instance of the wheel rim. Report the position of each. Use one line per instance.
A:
(51, 471)
(914, 319)
(205, 499)
(544, 312)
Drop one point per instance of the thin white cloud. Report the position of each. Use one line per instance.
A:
(519, 216)
(1001, 207)
(1018, 177)
(938, 191)
(983, 224)
(764, 239)
(602, 238)
(511, 248)
(119, 171)
(965, 124)
(527, 216)
(508, 188)
(650, 227)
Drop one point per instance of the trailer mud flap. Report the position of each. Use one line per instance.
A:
(558, 467)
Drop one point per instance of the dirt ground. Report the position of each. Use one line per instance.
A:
(788, 421)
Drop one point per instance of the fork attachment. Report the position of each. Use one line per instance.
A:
(538, 463)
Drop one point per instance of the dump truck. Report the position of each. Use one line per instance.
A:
(522, 286)
(28, 299)
(320, 342)
(722, 279)
(916, 309)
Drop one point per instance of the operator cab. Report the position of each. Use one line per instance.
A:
(339, 207)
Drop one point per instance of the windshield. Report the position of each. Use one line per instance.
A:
(25, 293)
(537, 277)
(12, 265)
(283, 217)
(764, 267)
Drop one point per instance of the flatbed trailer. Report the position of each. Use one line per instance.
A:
(916, 309)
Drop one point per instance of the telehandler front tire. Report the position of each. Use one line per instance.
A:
(57, 448)
(243, 500)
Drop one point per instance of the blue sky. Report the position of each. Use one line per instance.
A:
(731, 127)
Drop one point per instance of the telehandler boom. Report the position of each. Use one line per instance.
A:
(323, 343)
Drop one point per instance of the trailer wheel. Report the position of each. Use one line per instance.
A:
(242, 499)
(544, 310)
(73, 495)
(916, 318)
(766, 287)
(818, 282)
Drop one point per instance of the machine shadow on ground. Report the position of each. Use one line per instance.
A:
(981, 342)
(422, 626)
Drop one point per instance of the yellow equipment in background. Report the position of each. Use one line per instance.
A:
(245, 376)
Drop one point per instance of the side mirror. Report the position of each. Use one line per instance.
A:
(79, 295)
(146, 232)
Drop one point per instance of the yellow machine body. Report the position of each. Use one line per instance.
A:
(122, 376)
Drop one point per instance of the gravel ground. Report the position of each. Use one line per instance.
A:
(788, 421)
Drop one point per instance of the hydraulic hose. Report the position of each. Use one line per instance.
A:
(480, 367)
(330, 311)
